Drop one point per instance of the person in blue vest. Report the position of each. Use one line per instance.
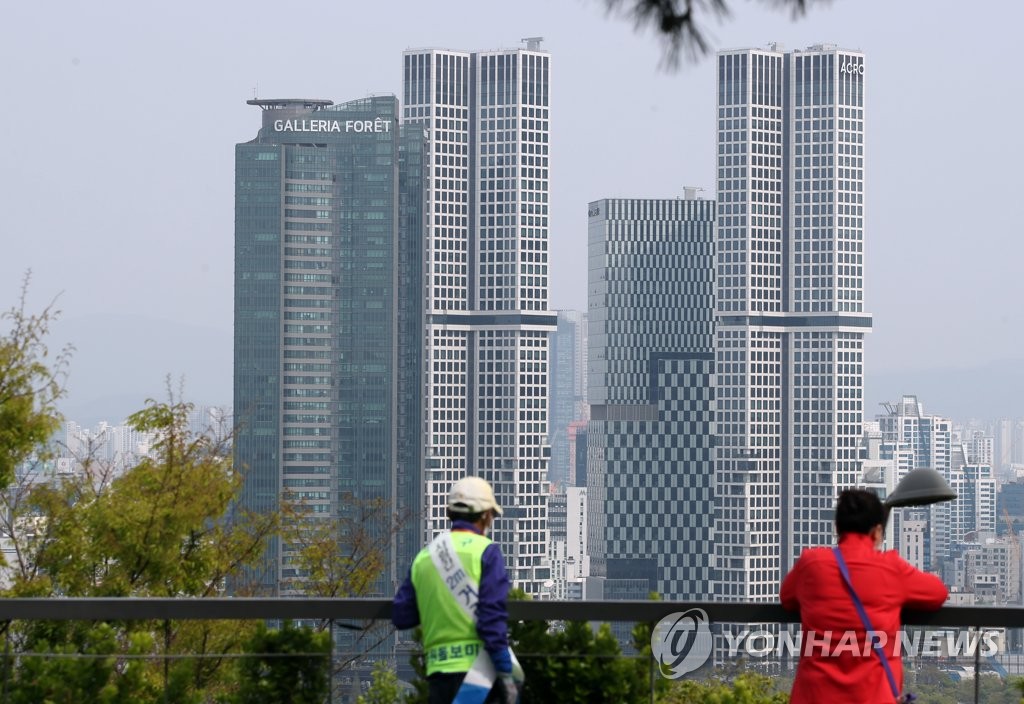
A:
(457, 590)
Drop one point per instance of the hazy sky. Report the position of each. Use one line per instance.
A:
(120, 120)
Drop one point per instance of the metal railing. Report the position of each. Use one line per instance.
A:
(129, 609)
(335, 610)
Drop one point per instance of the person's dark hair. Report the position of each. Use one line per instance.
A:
(468, 517)
(858, 511)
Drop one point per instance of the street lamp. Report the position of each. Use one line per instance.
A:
(919, 488)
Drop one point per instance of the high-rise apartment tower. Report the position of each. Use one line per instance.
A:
(790, 298)
(485, 286)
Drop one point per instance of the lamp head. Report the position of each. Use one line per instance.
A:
(919, 488)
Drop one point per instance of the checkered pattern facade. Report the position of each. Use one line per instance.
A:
(650, 461)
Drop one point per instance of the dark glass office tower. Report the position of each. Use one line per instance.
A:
(328, 319)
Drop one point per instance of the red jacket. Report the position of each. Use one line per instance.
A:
(885, 583)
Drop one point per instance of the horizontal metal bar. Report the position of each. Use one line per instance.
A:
(131, 609)
(745, 612)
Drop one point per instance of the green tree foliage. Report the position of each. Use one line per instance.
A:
(337, 556)
(30, 384)
(157, 529)
(576, 664)
(290, 666)
(87, 671)
(747, 688)
(573, 663)
(385, 688)
(930, 683)
(570, 662)
(169, 526)
(641, 637)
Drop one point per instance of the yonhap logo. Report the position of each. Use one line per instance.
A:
(681, 642)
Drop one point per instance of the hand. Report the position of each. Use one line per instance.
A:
(507, 688)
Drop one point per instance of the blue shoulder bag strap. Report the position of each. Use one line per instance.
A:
(867, 624)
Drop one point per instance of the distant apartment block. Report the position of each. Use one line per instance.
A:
(116, 447)
(990, 569)
(913, 541)
(881, 475)
(918, 440)
(973, 513)
(570, 559)
(914, 439)
(980, 448)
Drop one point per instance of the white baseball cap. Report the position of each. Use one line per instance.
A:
(472, 495)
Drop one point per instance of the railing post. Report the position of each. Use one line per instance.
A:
(330, 663)
(977, 666)
(167, 660)
(650, 666)
(8, 664)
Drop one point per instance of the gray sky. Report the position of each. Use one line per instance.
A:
(120, 119)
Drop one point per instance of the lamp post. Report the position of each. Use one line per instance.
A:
(920, 487)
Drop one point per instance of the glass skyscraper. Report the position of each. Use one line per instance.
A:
(650, 440)
(791, 318)
(485, 286)
(567, 389)
(328, 315)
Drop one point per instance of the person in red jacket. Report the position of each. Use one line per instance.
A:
(831, 670)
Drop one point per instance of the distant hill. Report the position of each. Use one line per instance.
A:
(120, 360)
(986, 392)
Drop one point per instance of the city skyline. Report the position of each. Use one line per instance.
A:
(789, 338)
(184, 251)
